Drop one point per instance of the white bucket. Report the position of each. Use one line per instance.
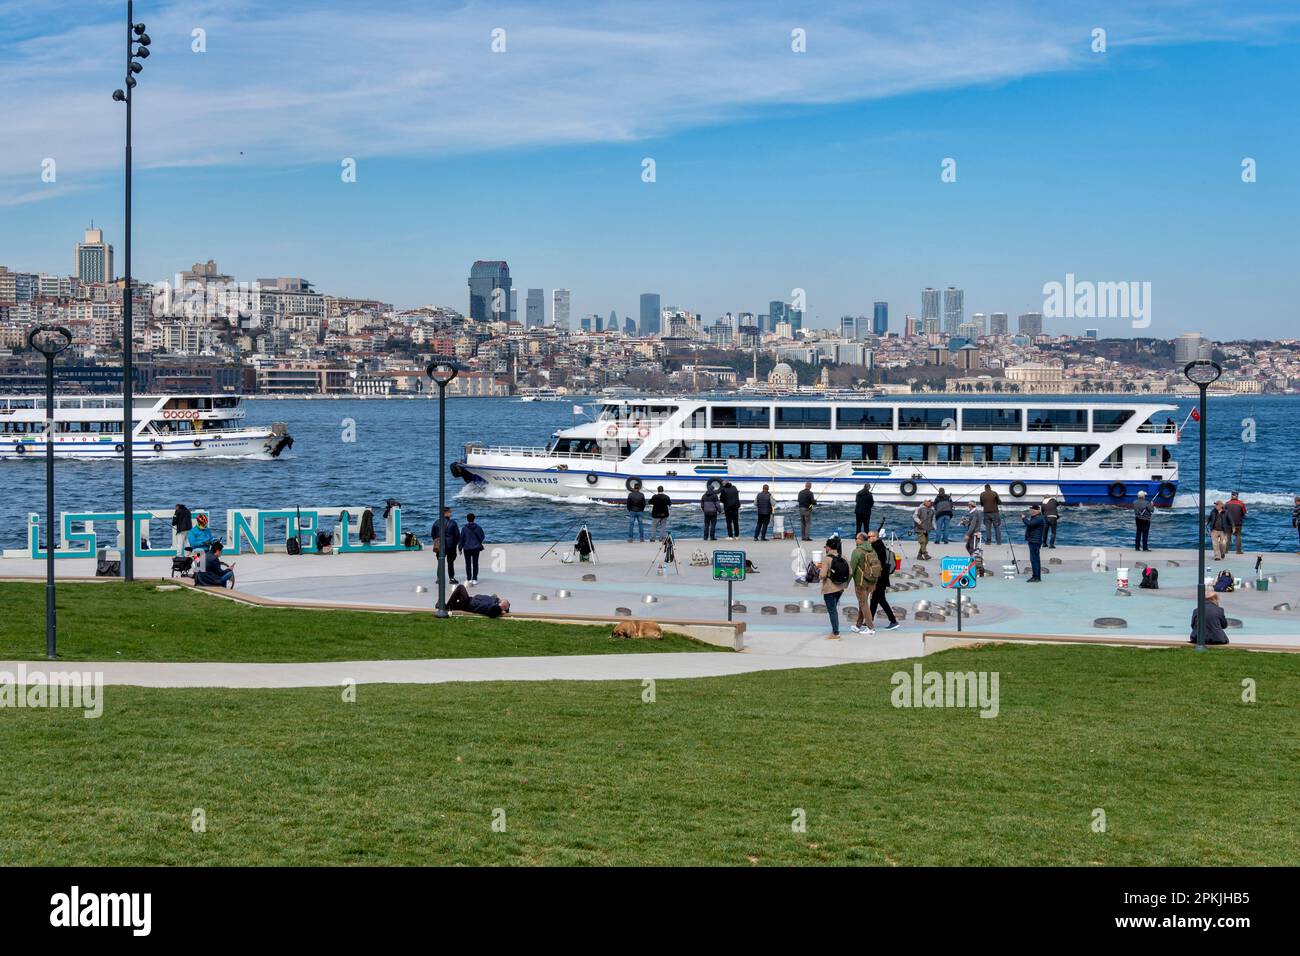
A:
(778, 525)
(1121, 578)
(816, 556)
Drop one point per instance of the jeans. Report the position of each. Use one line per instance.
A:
(711, 527)
(658, 527)
(208, 579)
(879, 600)
(634, 521)
(805, 523)
(760, 529)
(1035, 561)
(832, 599)
(1140, 540)
(941, 523)
(861, 521)
(992, 524)
(471, 564)
(1051, 529)
(733, 522)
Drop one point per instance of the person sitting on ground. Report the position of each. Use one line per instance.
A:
(199, 538)
(489, 605)
(212, 573)
(1216, 621)
(583, 545)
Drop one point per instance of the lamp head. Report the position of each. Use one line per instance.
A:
(143, 53)
(144, 39)
(442, 370)
(139, 29)
(1202, 372)
(49, 340)
(136, 67)
(119, 96)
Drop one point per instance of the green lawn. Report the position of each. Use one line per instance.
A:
(709, 773)
(118, 621)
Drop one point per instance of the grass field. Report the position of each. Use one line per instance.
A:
(136, 622)
(709, 773)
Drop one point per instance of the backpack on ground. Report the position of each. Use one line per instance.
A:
(1150, 579)
(839, 570)
(412, 541)
(324, 542)
(812, 574)
(293, 546)
(1224, 581)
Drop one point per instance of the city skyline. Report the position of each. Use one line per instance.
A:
(825, 177)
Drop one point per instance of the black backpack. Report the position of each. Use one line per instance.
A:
(839, 570)
(1150, 579)
(293, 546)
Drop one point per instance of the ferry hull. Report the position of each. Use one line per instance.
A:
(246, 443)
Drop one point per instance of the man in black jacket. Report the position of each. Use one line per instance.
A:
(1216, 622)
(445, 529)
(182, 521)
(1142, 514)
(1035, 527)
(806, 504)
(709, 506)
(635, 507)
(862, 509)
(730, 496)
(763, 504)
(659, 505)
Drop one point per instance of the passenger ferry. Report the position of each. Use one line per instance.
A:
(1096, 453)
(180, 426)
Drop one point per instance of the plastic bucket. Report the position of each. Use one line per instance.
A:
(1121, 578)
(1261, 584)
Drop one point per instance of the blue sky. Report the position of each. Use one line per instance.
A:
(775, 170)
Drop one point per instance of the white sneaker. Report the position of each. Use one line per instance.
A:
(855, 629)
(870, 632)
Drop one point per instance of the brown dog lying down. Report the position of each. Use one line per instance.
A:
(648, 629)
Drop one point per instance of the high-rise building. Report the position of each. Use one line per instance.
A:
(1090, 334)
(584, 323)
(912, 325)
(514, 305)
(560, 308)
(535, 309)
(848, 327)
(953, 310)
(1030, 324)
(1191, 347)
(94, 258)
(629, 327)
(880, 318)
(930, 309)
(489, 290)
(612, 324)
(998, 323)
(776, 313)
(795, 318)
(650, 312)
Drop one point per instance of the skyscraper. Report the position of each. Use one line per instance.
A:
(486, 277)
(929, 309)
(776, 313)
(629, 327)
(650, 312)
(94, 258)
(1190, 347)
(998, 323)
(795, 318)
(847, 327)
(1030, 323)
(560, 308)
(880, 318)
(535, 309)
(863, 327)
(978, 324)
(952, 310)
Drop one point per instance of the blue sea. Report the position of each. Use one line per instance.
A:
(360, 452)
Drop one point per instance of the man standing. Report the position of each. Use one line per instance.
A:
(659, 505)
(862, 509)
(471, 546)
(942, 515)
(1220, 526)
(731, 509)
(1295, 516)
(865, 568)
(1236, 509)
(923, 524)
(709, 505)
(806, 504)
(447, 535)
(1051, 514)
(763, 504)
(635, 508)
(879, 596)
(992, 505)
(1034, 528)
(1142, 513)
(971, 523)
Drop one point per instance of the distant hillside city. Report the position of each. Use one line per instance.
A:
(206, 331)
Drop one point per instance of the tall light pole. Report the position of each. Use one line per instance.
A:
(442, 371)
(137, 48)
(49, 340)
(1201, 373)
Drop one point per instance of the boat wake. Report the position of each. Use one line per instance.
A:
(1189, 500)
(497, 493)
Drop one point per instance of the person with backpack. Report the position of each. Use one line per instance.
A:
(471, 546)
(835, 576)
(1236, 509)
(445, 532)
(763, 505)
(730, 496)
(635, 509)
(862, 506)
(942, 516)
(923, 524)
(807, 502)
(865, 569)
(659, 507)
(970, 522)
(1051, 514)
(991, 503)
(1295, 516)
(1150, 579)
(1035, 525)
(1216, 621)
(879, 597)
(709, 505)
(1142, 514)
(1220, 527)
(584, 545)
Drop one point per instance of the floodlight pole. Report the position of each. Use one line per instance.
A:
(50, 348)
(1201, 373)
(442, 373)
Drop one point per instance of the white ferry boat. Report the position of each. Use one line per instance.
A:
(1093, 453)
(177, 426)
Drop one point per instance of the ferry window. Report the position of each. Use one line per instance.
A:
(1057, 419)
(931, 418)
(724, 449)
(607, 412)
(226, 403)
(852, 452)
(1073, 454)
(910, 453)
(741, 416)
(817, 452)
(1109, 419)
(872, 417)
(999, 419)
(662, 411)
(803, 417)
(789, 449)
(698, 419)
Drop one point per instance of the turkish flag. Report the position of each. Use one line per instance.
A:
(1196, 414)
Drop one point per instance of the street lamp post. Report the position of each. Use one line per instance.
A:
(442, 371)
(1201, 373)
(49, 340)
(137, 48)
